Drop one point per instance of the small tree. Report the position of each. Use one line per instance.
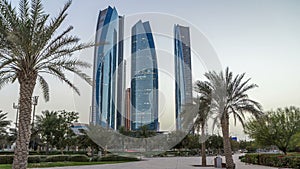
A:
(47, 125)
(55, 128)
(229, 98)
(204, 102)
(275, 128)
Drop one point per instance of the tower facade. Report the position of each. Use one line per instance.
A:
(144, 78)
(108, 78)
(183, 71)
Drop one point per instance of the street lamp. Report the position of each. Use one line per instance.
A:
(16, 106)
(34, 103)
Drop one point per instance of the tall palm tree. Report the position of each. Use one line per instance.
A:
(229, 97)
(203, 114)
(31, 47)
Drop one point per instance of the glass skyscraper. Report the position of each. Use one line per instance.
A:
(144, 78)
(183, 71)
(108, 77)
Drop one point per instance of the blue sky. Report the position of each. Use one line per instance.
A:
(261, 38)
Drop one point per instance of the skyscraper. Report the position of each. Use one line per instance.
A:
(127, 112)
(144, 78)
(108, 56)
(183, 73)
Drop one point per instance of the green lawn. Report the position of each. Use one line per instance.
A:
(61, 164)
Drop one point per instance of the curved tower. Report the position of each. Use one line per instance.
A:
(183, 72)
(144, 78)
(108, 55)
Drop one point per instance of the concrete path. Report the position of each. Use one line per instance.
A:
(166, 163)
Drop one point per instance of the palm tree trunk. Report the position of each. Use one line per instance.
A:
(226, 141)
(27, 85)
(203, 147)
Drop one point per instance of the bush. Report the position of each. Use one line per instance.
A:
(118, 158)
(57, 158)
(6, 159)
(79, 158)
(55, 152)
(95, 159)
(34, 159)
(273, 160)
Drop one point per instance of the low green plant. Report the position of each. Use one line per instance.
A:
(273, 160)
(57, 158)
(79, 158)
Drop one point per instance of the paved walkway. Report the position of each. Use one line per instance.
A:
(166, 163)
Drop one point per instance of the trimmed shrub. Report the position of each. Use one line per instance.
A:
(6, 159)
(118, 158)
(57, 158)
(56, 152)
(273, 160)
(34, 159)
(95, 159)
(79, 158)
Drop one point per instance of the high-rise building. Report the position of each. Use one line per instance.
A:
(183, 71)
(108, 77)
(144, 78)
(127, 112)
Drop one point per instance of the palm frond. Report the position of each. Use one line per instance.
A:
(8, 15)
(4, 80)
(45, 87)
(61, 76)
(24, 10)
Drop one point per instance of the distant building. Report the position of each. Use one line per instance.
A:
(108, 78)
(144, 78)
(183, 71)
(79, 128)
(127, 112)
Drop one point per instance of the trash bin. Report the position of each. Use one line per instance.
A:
(218, 162)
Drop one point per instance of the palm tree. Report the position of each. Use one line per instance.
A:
(47, 125)
(3, 129)
(203, 114)
(30, 47)
(229, 97)
(3, 122)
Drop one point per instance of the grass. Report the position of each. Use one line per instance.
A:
(61, 164)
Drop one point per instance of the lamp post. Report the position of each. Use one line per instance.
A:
(34, 103)
(16, 106)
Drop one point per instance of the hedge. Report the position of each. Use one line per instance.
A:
(273, 160)
(8, 159)
(57, 158)
(79, 158)
(117, 158)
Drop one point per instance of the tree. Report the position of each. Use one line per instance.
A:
(275, 128)
(215, 143)
(3, 129)
(203, 114)
(30, 46)
(55, 128)
(64, 136)
(85, 141)
(47, 125)
(229, 97)
(3, 122)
